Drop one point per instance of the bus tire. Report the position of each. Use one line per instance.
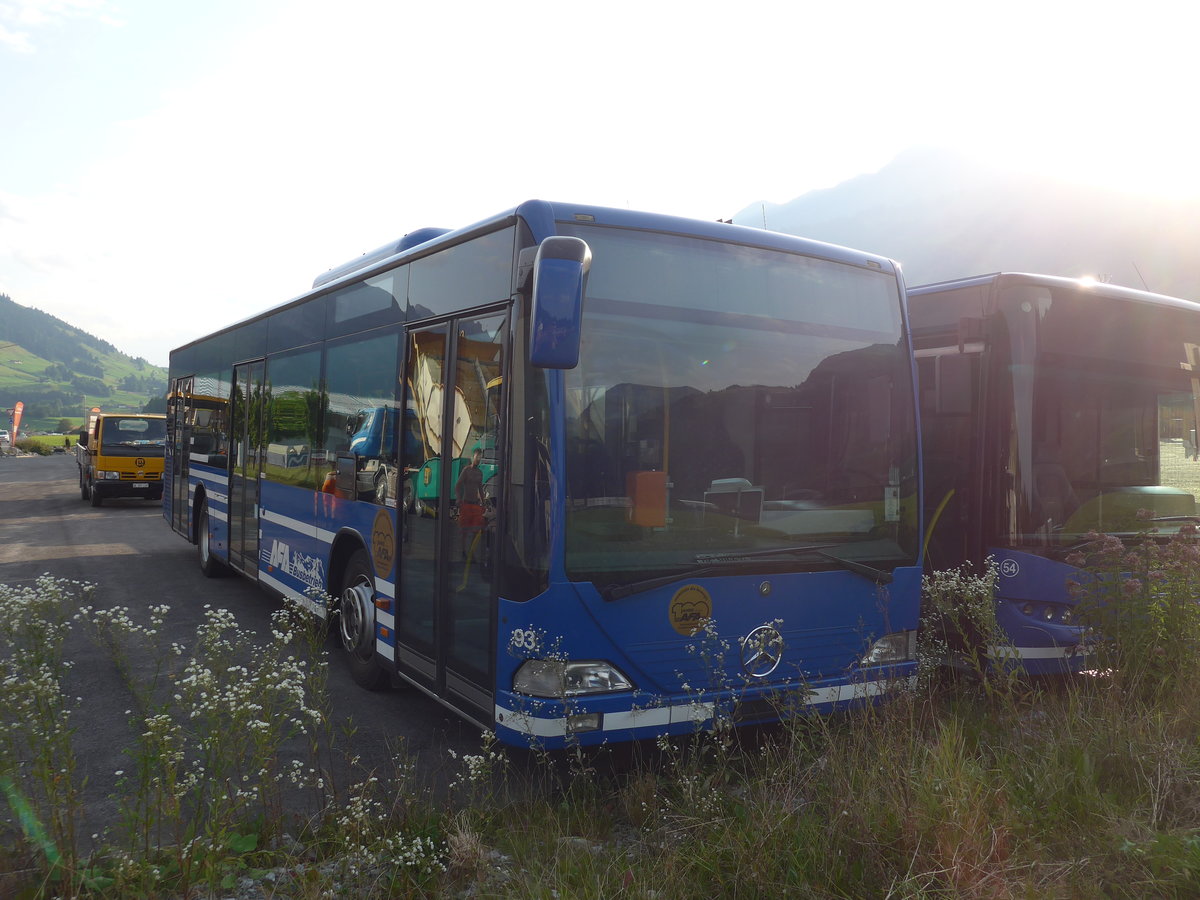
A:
(209, 564)
(356, 623)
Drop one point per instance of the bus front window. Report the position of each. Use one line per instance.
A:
(1106, 441)
(734, 399)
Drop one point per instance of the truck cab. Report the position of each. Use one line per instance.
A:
(121, 455)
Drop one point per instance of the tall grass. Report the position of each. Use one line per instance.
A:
(240, 785)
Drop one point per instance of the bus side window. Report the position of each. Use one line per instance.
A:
(360, 420)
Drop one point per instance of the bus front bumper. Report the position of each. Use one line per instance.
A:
(588, 720)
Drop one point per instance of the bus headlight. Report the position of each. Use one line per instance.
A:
(899, 646)
(559, 678)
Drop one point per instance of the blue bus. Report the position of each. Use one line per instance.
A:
(701, 496)
(1051, 408)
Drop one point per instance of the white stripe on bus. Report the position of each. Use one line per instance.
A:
(304, 528)
(1006, 652)
(307, 602)
(694, 712)
(218, 480)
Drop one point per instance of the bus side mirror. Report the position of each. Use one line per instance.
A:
(560, 273)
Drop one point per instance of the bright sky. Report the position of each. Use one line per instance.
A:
(168, 168)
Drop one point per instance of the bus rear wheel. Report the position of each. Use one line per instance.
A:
(356, 623)
(209, 564)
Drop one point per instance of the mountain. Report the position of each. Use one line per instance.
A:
(943, 216)
(58, 371)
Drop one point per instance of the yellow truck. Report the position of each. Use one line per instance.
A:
(121, 455)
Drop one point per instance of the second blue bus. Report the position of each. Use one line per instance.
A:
(1052, 408)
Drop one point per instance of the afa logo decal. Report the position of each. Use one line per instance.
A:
(383, 543)
(690, 608)
(306, 569)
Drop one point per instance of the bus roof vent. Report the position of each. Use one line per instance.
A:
(410, 240)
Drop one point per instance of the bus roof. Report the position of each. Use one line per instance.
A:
(1100, 288)
(542, 217)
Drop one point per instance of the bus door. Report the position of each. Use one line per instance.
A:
(246, 448)
(445, 615)
(179, 445)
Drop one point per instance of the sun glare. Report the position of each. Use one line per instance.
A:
(1109, 160)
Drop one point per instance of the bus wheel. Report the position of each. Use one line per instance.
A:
(356, 623)
(209, 564)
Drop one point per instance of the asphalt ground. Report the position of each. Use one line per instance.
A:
(133, 559)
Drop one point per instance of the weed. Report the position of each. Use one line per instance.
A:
(1091, 789)
(1140, 597)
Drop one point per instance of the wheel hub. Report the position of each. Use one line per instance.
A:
(356, 622)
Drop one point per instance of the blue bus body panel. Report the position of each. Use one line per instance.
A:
(299, 527)
(214, 484)
(293, 549)
(1040, 642)
(682, 682)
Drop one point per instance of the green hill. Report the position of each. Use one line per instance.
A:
(60, 372)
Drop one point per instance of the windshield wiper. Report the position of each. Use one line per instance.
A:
(877, 575)
(720, 563)
(758, 554)
(617, 591)
(1064, 552)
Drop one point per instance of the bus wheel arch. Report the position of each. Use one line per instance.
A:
(210, 566)
(198, 500)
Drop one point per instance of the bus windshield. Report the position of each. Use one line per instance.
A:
(735, 399)
(1103, 397)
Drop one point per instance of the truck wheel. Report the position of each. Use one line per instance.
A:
(94, 495)
(209, 564)
(356, 623)
(83, 488)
